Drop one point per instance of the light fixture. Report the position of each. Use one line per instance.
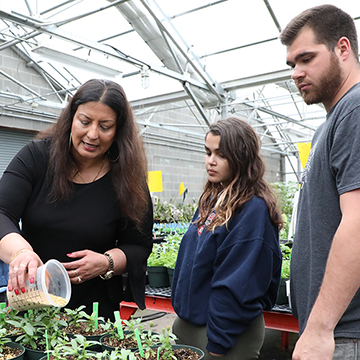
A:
(85, 64)
(145, 80)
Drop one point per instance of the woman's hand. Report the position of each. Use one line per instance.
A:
(22, 260)
(24, 265)
(88, 265)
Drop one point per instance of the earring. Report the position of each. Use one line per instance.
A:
(113, 160)
(112, 147)
(70, 141)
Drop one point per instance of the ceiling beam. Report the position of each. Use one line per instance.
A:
(247, 82)
(258, 80)
(53, 30)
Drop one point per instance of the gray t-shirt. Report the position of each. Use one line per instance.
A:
(333, 168)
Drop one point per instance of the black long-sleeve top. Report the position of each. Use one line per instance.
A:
(91, 220)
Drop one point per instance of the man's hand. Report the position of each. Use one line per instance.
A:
(314, 345)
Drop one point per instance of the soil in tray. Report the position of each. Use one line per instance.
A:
(14, 331)
(80, 329)
(180, 354)
(126, 343)
(9, 353)
(39, 347)
(70, 357)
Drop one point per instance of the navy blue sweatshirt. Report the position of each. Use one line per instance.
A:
(224, 279)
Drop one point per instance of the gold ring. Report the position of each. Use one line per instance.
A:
(79, 278)
(75, 273)
(22, 265)
(15, 269)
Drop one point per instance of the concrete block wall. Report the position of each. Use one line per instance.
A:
(19, 114)
(179, 156)
(14, 65)
(177, 166)
(185, 162)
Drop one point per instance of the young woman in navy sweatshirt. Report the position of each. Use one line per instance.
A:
(229, 263)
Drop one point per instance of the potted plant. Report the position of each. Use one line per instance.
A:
(91, 326)
(171, 253)
(285, 193)
(156, 270)
(282, 298)
(42, 329)
(167, 350)
(125, 337)
(9, 320)
(119, 354)
(172, 212)
(76, 349)
(10, 349)
(162, 259)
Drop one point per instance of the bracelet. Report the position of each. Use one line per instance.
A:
(110, 260)
(110, 271)
(18, 253)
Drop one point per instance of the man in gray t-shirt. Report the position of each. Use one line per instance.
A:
(322, 49)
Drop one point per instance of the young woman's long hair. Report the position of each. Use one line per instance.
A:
(240, 145)
(127, 155)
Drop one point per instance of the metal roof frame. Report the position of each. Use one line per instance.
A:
(173, 58)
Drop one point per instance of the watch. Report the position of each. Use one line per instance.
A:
(110, 271)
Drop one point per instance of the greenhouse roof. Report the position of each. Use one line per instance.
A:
(220, 56)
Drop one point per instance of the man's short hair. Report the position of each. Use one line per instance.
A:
(329, 24)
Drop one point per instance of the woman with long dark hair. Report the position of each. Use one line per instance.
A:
(229, 263)
(81, 194)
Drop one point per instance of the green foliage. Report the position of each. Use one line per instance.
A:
(286, 252)
(48, 323)
(132, 324)
(165, 339)
(9, 317)
(285, 193)
(3, 339)
(146, 337)
(285, 274)
(155, 258)
(171, 211)
(169, 229)
(93, 322)
(165, 253)
(120, 354)
(77, 316)
(78, 347)
(36, 323)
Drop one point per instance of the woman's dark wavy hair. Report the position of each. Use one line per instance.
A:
(127, 155)
(240, 145)
(329, 24)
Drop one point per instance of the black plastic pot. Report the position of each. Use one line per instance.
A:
(158, 276)
(15, 345)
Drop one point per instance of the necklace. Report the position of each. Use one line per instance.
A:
(98, 173)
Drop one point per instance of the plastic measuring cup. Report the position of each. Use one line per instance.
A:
(51, 288)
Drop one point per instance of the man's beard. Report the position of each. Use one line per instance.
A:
(328, 86)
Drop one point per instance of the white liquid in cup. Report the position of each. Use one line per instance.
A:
(51, 287)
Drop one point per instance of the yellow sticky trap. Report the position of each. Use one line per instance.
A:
(181, 188)
(304, 151)
(155, 181)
